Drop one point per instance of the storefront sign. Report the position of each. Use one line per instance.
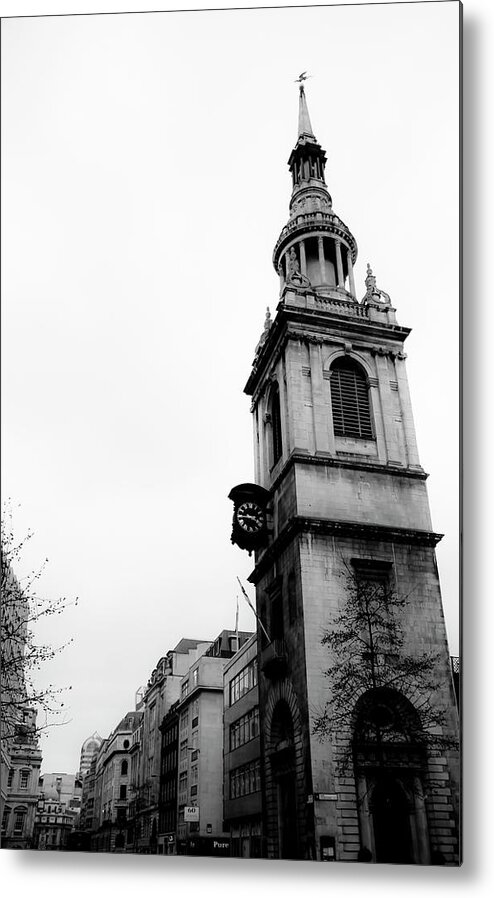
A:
(191, 813)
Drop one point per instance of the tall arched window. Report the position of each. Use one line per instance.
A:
(350, 400)
(277, 441)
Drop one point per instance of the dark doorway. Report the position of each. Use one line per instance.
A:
(391, 818)
(284, 775)
(287, 815)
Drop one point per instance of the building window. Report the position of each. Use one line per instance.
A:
(11, 777)
(123, 793)
(19, 819)
(184, 719)
(124, 768)
(245, 779)
(185, 688)
(244, 729)
(195, 677)
(276, 434)
(182, 787)
(184, 746)
(5, 820)
(350, 400)
(243, 681)
(24, 779)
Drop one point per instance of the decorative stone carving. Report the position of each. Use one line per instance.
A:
(373, 293)
(347, 347)
(380, 350)
(294, 275)
(267, 324)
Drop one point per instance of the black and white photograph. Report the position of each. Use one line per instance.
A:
(230, 435)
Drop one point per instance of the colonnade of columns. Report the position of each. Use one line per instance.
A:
(340, 249)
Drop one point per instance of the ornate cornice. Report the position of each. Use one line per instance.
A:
(319, 327)
(331, 461)
(314, 222)
(354, 529)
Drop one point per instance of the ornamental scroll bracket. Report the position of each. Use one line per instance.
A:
(374, 295)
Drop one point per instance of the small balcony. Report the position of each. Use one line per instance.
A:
(274, 660)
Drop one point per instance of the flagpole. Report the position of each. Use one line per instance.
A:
(236, 627)
(259, 621)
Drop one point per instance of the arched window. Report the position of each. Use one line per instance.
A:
(19, 820)
(277, 441)
(350, 400)
(124, 768)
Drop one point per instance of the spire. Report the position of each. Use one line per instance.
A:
(308, 159)
(315, 249)
(304, 125)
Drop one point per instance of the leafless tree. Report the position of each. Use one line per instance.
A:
(22, 655)
(369, 660)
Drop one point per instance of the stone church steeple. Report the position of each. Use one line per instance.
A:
(315, 247)
(336, 454)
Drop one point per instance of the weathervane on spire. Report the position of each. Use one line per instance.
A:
(301, 78)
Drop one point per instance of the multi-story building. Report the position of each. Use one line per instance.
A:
(89, 749)
(22, 784)
(20, 755)
(161, 691)
(67, 787)
(111, 787)
(336, 451)
(167, 821)
(87, 819)
(57, 812)
(200, 827)
(242, 753)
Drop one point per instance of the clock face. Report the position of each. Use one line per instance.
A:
(250, 517)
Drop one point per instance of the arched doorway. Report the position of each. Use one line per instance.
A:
(391, 820)
(389, 762)
(282, 758)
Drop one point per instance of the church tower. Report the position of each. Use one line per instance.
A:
(336, 455)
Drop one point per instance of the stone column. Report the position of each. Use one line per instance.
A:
(303, 261)
(351, 279)
(259, 444)
(367, 835)
(319, 403)
(322, 263)
(282, 279)
(422, 833)
(339, 264)
(406, 408)
(392, 450)
(284, 407)
(329, 412)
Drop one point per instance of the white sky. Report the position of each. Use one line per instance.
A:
(144, 186)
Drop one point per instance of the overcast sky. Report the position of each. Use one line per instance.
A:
(144, 187)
